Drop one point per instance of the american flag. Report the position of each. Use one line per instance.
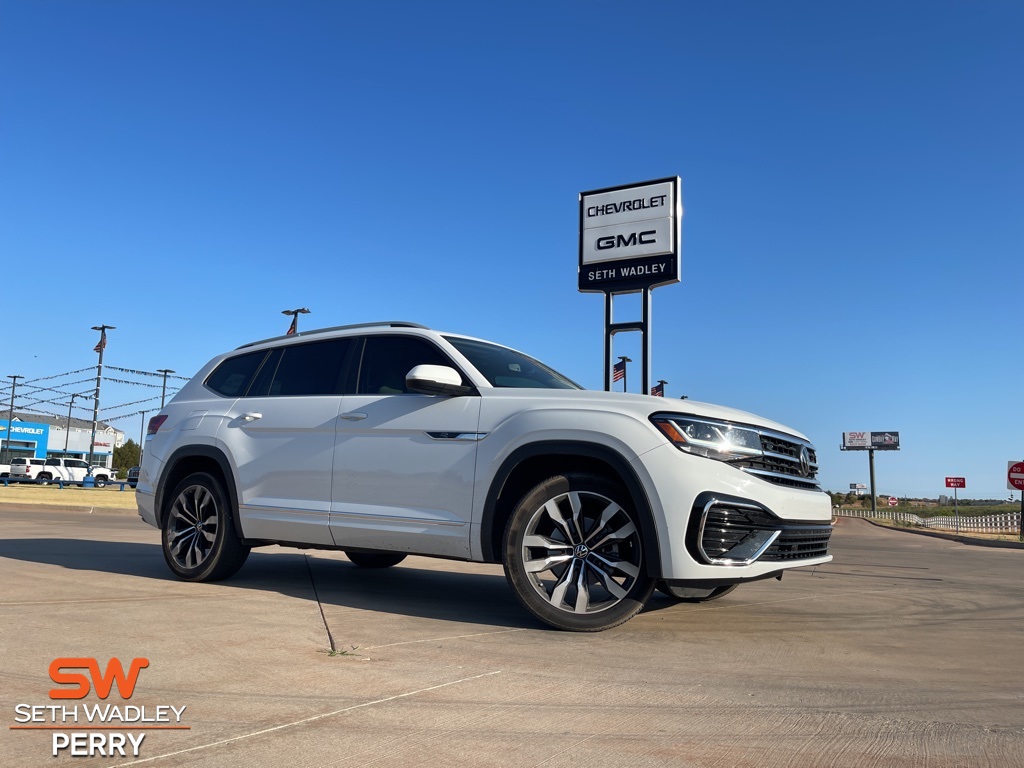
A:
(102, 343)
(658, 390)
(294, 327)
(619, 371)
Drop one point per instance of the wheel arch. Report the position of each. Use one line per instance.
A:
(197, 458)
(531, 464)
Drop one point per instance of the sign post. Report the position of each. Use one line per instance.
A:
(630, 243)
(954, 483)
(871, 442)
(1015, 482)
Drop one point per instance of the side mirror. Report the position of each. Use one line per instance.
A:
(436, 380)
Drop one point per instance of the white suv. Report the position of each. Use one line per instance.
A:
(390, 439)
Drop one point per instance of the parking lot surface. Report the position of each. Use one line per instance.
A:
(904, 651)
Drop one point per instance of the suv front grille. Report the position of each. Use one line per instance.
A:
(739, 534)
(782, 462)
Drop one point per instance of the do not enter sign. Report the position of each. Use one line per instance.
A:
(893, 501)
(1015, 475)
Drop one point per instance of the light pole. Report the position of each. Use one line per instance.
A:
(624, 360)
(294, 327)
(10, 416)
(163, 392)
(96, 396)
(67, 433)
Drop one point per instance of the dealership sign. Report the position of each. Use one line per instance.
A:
(871, 441)
(629, 236)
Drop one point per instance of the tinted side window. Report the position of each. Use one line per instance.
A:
(52, 462)
(387, 359)
(317, 368)
(232, 377)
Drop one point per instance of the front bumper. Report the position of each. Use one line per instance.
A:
(719, 524)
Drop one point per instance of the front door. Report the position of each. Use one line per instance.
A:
(404, 463)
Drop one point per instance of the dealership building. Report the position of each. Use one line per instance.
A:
(36, 435)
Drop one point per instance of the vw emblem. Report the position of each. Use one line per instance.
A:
(581, 551)
(805, 461)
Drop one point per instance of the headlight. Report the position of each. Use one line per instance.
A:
(708, 437)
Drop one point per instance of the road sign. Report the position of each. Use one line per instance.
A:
(893, 501)
(956, 482)
(1015, 476)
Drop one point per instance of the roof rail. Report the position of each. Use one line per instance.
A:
(380, 324)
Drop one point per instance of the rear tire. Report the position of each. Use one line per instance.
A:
(574, 554)
(101, 481)
(376, 559)
(199, 539)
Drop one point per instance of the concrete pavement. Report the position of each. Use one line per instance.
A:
(902, 652)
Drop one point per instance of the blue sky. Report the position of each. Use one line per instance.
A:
(852, 174)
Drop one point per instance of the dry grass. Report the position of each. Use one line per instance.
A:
(76, 498)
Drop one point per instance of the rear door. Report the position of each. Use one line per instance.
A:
(404, 462)
(281, 435)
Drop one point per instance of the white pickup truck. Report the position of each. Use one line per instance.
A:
(72, 471)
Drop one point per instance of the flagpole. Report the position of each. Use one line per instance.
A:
(96, 395)
(293, 328)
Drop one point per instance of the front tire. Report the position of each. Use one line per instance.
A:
(574, 554)
(199, 538)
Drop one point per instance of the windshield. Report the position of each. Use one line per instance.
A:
(504, 367)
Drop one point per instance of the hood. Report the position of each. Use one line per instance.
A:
(641, 406)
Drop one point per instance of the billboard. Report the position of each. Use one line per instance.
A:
(629, 236)
(871, 441)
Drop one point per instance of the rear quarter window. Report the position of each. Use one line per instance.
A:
(233, 376)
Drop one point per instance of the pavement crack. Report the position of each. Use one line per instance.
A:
(320, 606)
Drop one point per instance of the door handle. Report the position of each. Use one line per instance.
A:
(353, 416)
(251, 416)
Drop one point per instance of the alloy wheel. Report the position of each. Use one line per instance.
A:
(192, 526)
(582, 552)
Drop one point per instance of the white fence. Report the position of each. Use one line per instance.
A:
(1008, 522)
